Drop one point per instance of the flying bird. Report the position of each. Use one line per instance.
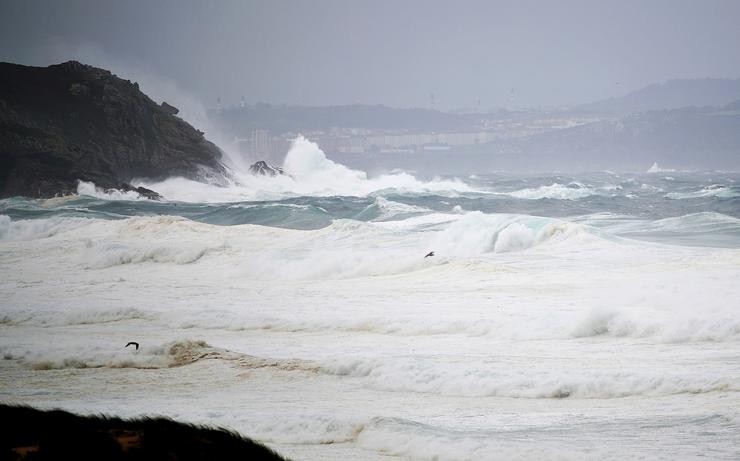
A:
(132, 343)
(431, 253)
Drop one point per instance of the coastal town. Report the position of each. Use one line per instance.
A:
(467, 131)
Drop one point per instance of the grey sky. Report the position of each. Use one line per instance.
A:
(390, 52)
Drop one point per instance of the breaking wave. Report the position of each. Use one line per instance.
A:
(309, 173)
(32, 229)
(657, 169)
(714, 190)
(173, 354)
(383, 209)
(572, 191)
(476, 233)
(89, 189)
(492, 378)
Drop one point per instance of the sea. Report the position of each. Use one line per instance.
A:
(334, 315)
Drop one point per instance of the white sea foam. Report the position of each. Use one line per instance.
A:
(89, 189)
(32, 229)
(714, 190)
(476, 233)
(307, 429)
(168, 355)
(704, 228)
(310, 173)
(414, 440)
(99, 314)
(654, 168)
(668, 327)
(113, 254)
(383, 209)
(572, 191)
(348, 338)
(502, 377)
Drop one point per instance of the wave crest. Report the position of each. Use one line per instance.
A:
(476, 233)
(310, 173)
(572, 191)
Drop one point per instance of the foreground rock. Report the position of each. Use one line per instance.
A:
(70, 122)
(57, 435)
(263, 168)
(142, 191)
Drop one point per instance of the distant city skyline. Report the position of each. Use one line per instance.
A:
(401, 54)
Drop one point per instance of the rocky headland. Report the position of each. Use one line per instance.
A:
(69, 122)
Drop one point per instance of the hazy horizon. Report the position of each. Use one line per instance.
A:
(474, 54)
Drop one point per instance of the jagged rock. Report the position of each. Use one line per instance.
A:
(169, 108)
(70, 122)
(143, 191)
(263, 168)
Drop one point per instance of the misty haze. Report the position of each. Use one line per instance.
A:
(370, 230)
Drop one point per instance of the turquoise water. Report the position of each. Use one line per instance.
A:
(680, 208)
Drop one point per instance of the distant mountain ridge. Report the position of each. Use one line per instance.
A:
(285, 118)
(690, 138)
(672, 94)
(687, 138)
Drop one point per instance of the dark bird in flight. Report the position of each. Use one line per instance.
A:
(431, 253)
(136, 345)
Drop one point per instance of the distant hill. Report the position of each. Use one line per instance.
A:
(687, 138)
(690, 138)
(672, 94)
(283, 118)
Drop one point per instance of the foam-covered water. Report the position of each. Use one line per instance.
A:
(589, 316)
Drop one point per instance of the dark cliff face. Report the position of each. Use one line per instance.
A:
(71, 121)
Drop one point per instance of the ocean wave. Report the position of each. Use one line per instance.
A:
(572, 191)
(657, 327)
(304, 429)
(664, 327)
(478, 378)
(98, 315)
(169, 355)
(657, 169)
(703, 229)
(310, 173)
(476, 233)
(497, 437)
(172, 354)
(89, 189)
(383, 209)
(704, 222)
(474, 377)
(545, 438)
(32, 229)
(714, 190)
(161, 239)
(107, 254)
(344, 249)
(415, 440)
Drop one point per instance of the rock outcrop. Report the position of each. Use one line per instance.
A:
(70, 122)
(263, 168)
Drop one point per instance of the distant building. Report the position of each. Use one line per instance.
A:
(261, 144)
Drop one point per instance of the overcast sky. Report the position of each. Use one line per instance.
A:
(385, 52)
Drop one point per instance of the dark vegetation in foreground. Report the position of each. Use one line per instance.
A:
(32, 434)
